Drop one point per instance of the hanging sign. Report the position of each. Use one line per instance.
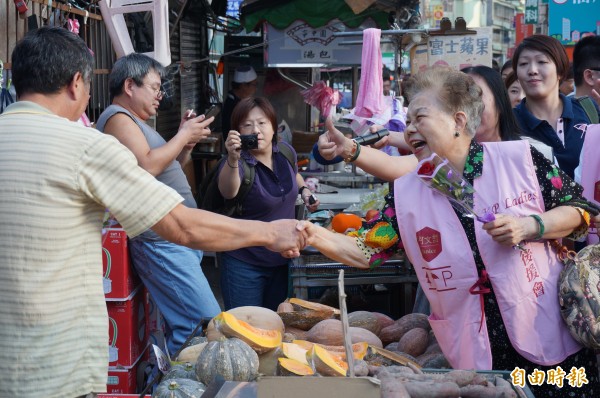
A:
(302, 46)
(456, 51)
(531, 12)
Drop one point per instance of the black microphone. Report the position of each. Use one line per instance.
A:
(371, 138)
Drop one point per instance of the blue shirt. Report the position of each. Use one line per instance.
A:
(572, 115)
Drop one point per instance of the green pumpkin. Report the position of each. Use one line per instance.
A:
(181, 371)
(179, 388)
(232, 359)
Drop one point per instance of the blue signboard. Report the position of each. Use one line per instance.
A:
(570, 20)
(233, 8)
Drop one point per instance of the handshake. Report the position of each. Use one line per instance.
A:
(291, 236)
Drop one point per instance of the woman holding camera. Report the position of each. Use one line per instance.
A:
(257, 276)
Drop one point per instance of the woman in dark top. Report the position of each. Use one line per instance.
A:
(545, 114)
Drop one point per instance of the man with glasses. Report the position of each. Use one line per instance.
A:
(171, 273)
(56, 180)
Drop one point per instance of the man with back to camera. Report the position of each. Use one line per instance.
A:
(171, 273)
(56, 179)
(243, 86)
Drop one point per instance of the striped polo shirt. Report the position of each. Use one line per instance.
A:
(56, 179)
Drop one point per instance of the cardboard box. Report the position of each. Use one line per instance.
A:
(127, 330)
(120, 279)
(318, 387)
(124, 380)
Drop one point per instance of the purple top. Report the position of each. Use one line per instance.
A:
(272, 197)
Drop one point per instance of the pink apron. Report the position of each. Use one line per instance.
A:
(590, 173)
(525, 283)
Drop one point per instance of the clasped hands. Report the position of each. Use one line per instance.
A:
(293, 236)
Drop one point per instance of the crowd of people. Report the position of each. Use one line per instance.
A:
(506, 132)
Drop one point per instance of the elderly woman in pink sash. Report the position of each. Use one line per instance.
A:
(492, 306)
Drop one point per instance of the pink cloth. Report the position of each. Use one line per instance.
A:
(370, 93)
(322, 97)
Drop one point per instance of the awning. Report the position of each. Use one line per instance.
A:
(317, 13)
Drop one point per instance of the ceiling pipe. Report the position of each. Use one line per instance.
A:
(299, 83)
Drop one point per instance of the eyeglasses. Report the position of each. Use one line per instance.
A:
(157, 91)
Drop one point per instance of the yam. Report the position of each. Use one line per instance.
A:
(431, 389)
(383, 320)
(392, 346)
(395, 331)
(392, 388)
(433, 361)
(477, 391)
(365, 320)
(414, 342)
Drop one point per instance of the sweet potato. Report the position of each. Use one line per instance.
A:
(432, 389)
(477, 391)
(392, 388)
(414, 342)
(460, 377)
(395, 331)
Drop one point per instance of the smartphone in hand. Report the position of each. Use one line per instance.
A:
(214, 110)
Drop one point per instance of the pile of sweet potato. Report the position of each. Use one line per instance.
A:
(405, 382)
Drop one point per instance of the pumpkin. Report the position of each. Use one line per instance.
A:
(191, 353)
(261, 340)
(343, 222)
(303, 305)
(329, 332)
(325, 363)
(291, 367)
(377, 356)
(231, 358)
(267, 362)
(179, 388)
(258, 317)
(181, 371)
(359, 349)
(304, 320)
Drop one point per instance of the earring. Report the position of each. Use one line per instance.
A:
(456, 134)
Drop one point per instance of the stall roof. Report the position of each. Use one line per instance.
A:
(317, 13)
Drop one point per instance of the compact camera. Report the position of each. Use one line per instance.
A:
(249, 141)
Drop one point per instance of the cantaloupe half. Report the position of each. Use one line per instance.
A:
(260, 340)
(359, 349)
(291, 367)
(325, 363)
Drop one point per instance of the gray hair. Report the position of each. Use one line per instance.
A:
(456, 91)
(133, 66)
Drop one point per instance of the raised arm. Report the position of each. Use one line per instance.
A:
(156, 160)
(333, 143)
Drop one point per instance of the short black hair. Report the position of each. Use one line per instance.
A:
(46, 60)
(586, 55)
